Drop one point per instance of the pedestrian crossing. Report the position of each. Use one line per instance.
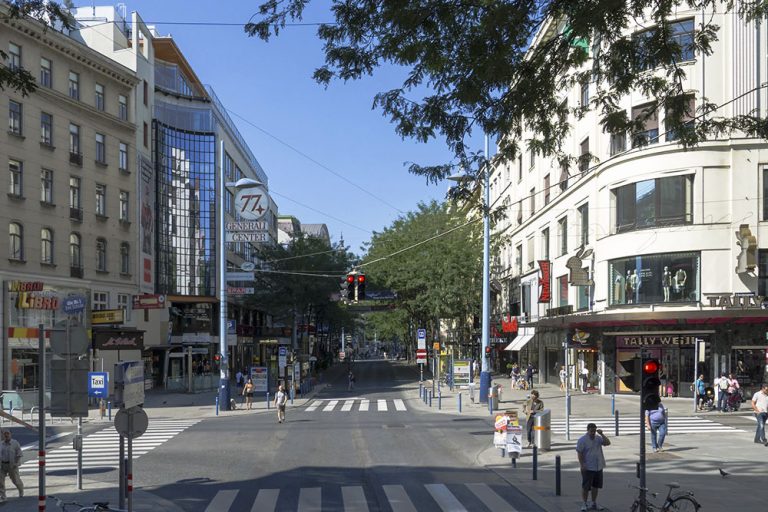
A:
(102, 449)
(475, 497)
(355, 404)
(631, 425)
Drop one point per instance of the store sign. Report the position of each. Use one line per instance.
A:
(118, 340)
(35, 300)
(560, 311)
(25, 286)
(579, 339)
(579, 276)
(148, 301)
(107, 316)
(657, 340)
(736, 301)
(545, 281)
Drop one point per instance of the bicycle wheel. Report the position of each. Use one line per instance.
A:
(683, 504)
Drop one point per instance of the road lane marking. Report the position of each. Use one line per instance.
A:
(364, 405)
(330, 405)
(445, 498)
(265, 500)
(347, 405)
(354, 499)
(398, 498)
(314, 405)
(222, 501)
(399, 404)
(382, 405)
(310, 500)
(490, 499)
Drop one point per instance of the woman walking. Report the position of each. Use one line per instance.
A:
(531, 407)
(248, 393)
(281, 397)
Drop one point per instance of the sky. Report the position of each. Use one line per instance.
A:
(329, 157)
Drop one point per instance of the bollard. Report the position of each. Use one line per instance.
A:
(102, 408)
(568, 406)
(217, 406)
(535, 462)
(11, 407)
(430, 399)
(613, 403)
(267, 400)
(439, 400)
(421, 389)
(503, 452)
(292, 393)
(637, 469)
(616, 424)
(557, 475)
(109, 410)
(458, 397)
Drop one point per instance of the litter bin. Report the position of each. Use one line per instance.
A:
(542, 432)
(493, 397)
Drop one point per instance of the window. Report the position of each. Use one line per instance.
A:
(14, 56)
(125, 258)
(46, 186)
(564, 175)
(618, 143)
(101, 255)
(681, 35)
(123, 302)
(99, 96)
(16, 241)
(762, 272)
(146, 93)
(546, 190)
(545, 243)
(520, 168)
(100, 301)
(124, 206)
(584, 156)
(74, 139)
(562, 290)
(533, 156)
(533, 201)
(46, 246)
(46, 128)
(146, 135)
(519, 212)
(14, 118)
(687, 104)
(101, 156)
(649, 118)
(651, 203)
(122, 107)
(765, 194)
(531, 252)
(229, 202)
(584, 93)
(584, 221)
(74, 85)
(101, 200)
(655, 278)
(74, 192)
(582, 295)
(519, 259)
(16, 177)
(46, 75)
(562, 235)
(75, 257)
(123, 157)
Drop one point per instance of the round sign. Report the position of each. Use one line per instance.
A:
(73, 304)
(248, 266)
(140, 422)
(78, 340)
(252, 203)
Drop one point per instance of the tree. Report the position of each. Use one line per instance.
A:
(500, 67)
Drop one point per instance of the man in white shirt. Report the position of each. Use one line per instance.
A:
(10, 459)
(760, 406)
(591, 460)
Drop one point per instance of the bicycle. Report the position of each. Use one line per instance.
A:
(98, 506)
(681, 502)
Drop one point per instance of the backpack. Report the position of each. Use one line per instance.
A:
(723, 384)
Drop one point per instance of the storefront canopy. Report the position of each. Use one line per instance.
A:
(523, 337)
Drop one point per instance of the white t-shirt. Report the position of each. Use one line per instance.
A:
(592, 450)
(281, 397)
(760, 400)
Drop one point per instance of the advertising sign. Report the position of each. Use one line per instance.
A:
(260, 376)
(147, 224)
(148, 301)
(252, 202)
(461, 372)
(118, 340)
(108, 316)
(98, 384)
(545, 281)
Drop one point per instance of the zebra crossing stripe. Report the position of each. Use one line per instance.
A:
(490, 499)
(364, 405)
(347, 405)
(382, 405)
(310, 499)
(354, 499)
(265, 500)
(314, 405)
(399, 404)
(222, 501)
(398, 498)
(684, 424)
(445, 498)
(330, 405)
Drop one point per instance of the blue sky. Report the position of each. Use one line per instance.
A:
(269, 92)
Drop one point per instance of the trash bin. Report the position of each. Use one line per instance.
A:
(542, 432)
(493, 397)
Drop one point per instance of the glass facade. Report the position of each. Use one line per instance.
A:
(186, 195)
(653, 203)
(655, 278)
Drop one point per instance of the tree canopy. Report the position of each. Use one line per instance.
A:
(500, 67)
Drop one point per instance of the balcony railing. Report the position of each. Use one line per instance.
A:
(76, 214)
(76, 158)
(76, 271)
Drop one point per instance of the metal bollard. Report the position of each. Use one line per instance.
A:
(430, 399)
(267, 400)
(637, 469)
(616, 424)
(292, 393)
(109, 410)
(421, 389)
(439, 400)
(11, 407)
(217, 406)
(458, 397)
(535, 462)
(557, 475)
(613, 403)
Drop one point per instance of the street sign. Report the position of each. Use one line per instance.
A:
(123, 422)
(282, 357)
(74, 304)
(148, 301)
(240, 290)
(246, 236)
(240, 276)
(98, 384)
(129, 384)
(78, 340)
(253, 225)
(248, 266)
(252, 203)
(69, 388)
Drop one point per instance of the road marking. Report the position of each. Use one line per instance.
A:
(490, 499)
(310, 500)
(265, 500)
(627, 425)
(330, 405)
(445, 498)
(382, 405)
(36, 444)
(354, 499)
(314, 405)
(364, 405)
(398, 498)
(399, 404)
(222, 501)
(347, 405)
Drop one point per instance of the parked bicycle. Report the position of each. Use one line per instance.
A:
(679, 502)
(98, 506)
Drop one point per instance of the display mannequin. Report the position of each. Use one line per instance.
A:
(628, 288)
(636, 286)
(666, 283)
(618, 289)
(679, 282)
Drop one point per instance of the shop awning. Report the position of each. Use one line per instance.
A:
(523, 337)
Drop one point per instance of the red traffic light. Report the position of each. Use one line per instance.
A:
(361, 278)
(651, 366)
(217, 357)
(350, 278)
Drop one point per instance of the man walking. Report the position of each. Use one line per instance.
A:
(10, 459)
(532, 406)
(529, 371)
(656, 422)
(760, 406)
(591, 461)
(281, 397)
(722, 388)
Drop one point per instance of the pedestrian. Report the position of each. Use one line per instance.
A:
(760, 407)
(532, 405)
(281, 398)
(10, 459)
(591, 462)
(722, 389)
(515, 375)
(529, 371)
(656, 422)
(239, 379)
(351, 379)
(563, 378)
(584, 377)
(701, 392)
(733, 388)
(248, 393)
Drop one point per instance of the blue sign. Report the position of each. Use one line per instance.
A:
(282, 351)
(73, 304)
(231, 327)
(422, 334)
(98, 384)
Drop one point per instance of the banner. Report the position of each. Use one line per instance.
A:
(545, 281)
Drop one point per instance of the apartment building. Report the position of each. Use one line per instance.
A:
(651, 248)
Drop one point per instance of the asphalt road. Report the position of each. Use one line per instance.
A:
(332, 454)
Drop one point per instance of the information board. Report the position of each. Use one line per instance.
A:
(260, 377)
(461, 372)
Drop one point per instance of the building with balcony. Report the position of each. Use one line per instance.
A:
(652, 248)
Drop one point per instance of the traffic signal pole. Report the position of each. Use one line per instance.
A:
(222, 256)
(485, 375)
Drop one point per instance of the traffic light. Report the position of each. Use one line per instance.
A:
(633, 378)
(217, 358)
(488, 351)
(351, 287)
(343, 288)
(360, 286)
(649, 397)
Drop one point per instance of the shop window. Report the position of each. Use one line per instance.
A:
(562, 290)
(762, 272)
(582, 295)
(653, 203)
(655, 278)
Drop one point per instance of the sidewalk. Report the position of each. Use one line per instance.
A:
(692, 460)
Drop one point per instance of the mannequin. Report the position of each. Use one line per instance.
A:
(628, 288)
(636, 286)
(618, 289)
(679, 282)
(666, 283)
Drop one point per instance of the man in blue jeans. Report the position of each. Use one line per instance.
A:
(656, 421)
(760, 407)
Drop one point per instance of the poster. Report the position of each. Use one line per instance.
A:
(259, 375)
(461, 372)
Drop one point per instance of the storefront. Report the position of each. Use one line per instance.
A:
(115, 345)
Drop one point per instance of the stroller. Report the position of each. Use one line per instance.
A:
(708, 400)
(733, 402)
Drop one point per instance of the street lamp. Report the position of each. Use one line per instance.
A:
(485, 375)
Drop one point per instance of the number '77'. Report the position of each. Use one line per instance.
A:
(247, 200)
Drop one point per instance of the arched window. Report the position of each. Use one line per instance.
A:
(16, 241)
(46, 246)
(125, 258)
(75, 258)
(101, 254)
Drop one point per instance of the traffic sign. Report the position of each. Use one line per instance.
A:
(421, 356)
(240, 276)
(69, 387)
(133, 429)
(78, 340)
(73, 304)
(98, 384)
(422, 334)
(129, 384)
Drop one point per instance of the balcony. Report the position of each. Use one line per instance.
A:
(76, 271)
(76, 214)
(76, 158)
